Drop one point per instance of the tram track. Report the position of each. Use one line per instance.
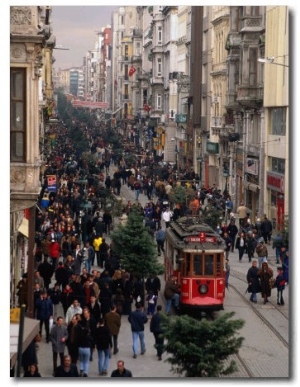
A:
(266, 319)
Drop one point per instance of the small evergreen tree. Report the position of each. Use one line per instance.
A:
(135, 246)
(201, 348)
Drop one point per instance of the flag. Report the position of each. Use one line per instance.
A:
(147, 107)
(132, 70)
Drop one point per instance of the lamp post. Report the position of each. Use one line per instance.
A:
(200, 160)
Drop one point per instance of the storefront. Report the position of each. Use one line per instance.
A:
(275, 186)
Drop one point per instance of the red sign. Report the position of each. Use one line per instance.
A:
(275, 182)
(90, 104)
(201, 238)
(147, 108)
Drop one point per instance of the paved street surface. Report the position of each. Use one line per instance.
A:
(262, 352)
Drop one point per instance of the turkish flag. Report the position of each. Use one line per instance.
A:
(147, 108)
(132, 70)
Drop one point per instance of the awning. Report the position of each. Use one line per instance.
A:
(251, 187)
(31, 329)
(24, 227)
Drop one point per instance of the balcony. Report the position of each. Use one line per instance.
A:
(250, 96)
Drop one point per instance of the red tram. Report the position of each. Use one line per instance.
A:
(194, 253)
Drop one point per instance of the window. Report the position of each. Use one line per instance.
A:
(159, 35)
(252, 66)
(277, 165)
(159, 67)
(159, 100)
(198, 264)
(209, 265)
(278, 121)
(17, 114)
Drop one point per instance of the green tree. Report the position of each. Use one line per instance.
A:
(201, 348)
(135, 246)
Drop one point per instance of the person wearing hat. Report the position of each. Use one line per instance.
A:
(262, 252)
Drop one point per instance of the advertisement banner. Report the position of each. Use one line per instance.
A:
(51, 183)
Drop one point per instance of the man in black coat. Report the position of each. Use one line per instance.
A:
(46, 271)
(232, 231)
(155, 328)
(67, 369)
(121, 371)
(266, 229)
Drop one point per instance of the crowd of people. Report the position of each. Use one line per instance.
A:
(72, 230)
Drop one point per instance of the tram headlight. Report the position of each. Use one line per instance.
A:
(203, 289)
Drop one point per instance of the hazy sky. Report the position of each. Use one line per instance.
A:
(75, 28)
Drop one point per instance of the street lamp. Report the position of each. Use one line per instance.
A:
(270, 60)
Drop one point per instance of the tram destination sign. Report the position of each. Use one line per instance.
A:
(202, 237)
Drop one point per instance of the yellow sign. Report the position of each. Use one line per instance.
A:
(15, 315)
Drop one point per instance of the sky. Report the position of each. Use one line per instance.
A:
(75, 28)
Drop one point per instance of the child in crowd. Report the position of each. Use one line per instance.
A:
(152, 300)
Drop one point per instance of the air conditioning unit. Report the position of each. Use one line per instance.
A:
(163, 118)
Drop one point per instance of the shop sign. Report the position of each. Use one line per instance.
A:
(212, 147)
(275, 182)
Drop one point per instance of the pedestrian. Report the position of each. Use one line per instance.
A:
(156, 329)
(103, 344)
(121, 371)
(66, 298)
(72, 341)
(240, 244)
(228, 244)
(55, 296)
(32, 372)
(251, 244)
(285, 257)
(227, 271)
(166, 216)
(232, 232)
(253, 281)
(280, 285)
(113, 322)
(72, 310)
(46, 271)
(266, 229)
(153, 284)
(265, 274)
(171, 294)
(137, 321)
(22, 292)
(137, 189)
(44, 310)
(277, 243)
(262, 252)
(90, 256)
(96, 244)
(103, 253)
(67, 369)
(58, 338)
(94, 307)
(242, 213)
(54, 252)
(160, 240)
(105, 299)
(86, 329)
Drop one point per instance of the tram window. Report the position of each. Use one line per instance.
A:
(209, 265)
(219, 265)
(188, 264)
(198, 264)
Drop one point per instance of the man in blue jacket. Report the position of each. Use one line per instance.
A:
(137, 321)
(44, 310)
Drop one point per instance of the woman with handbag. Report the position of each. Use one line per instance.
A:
(265, 274)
